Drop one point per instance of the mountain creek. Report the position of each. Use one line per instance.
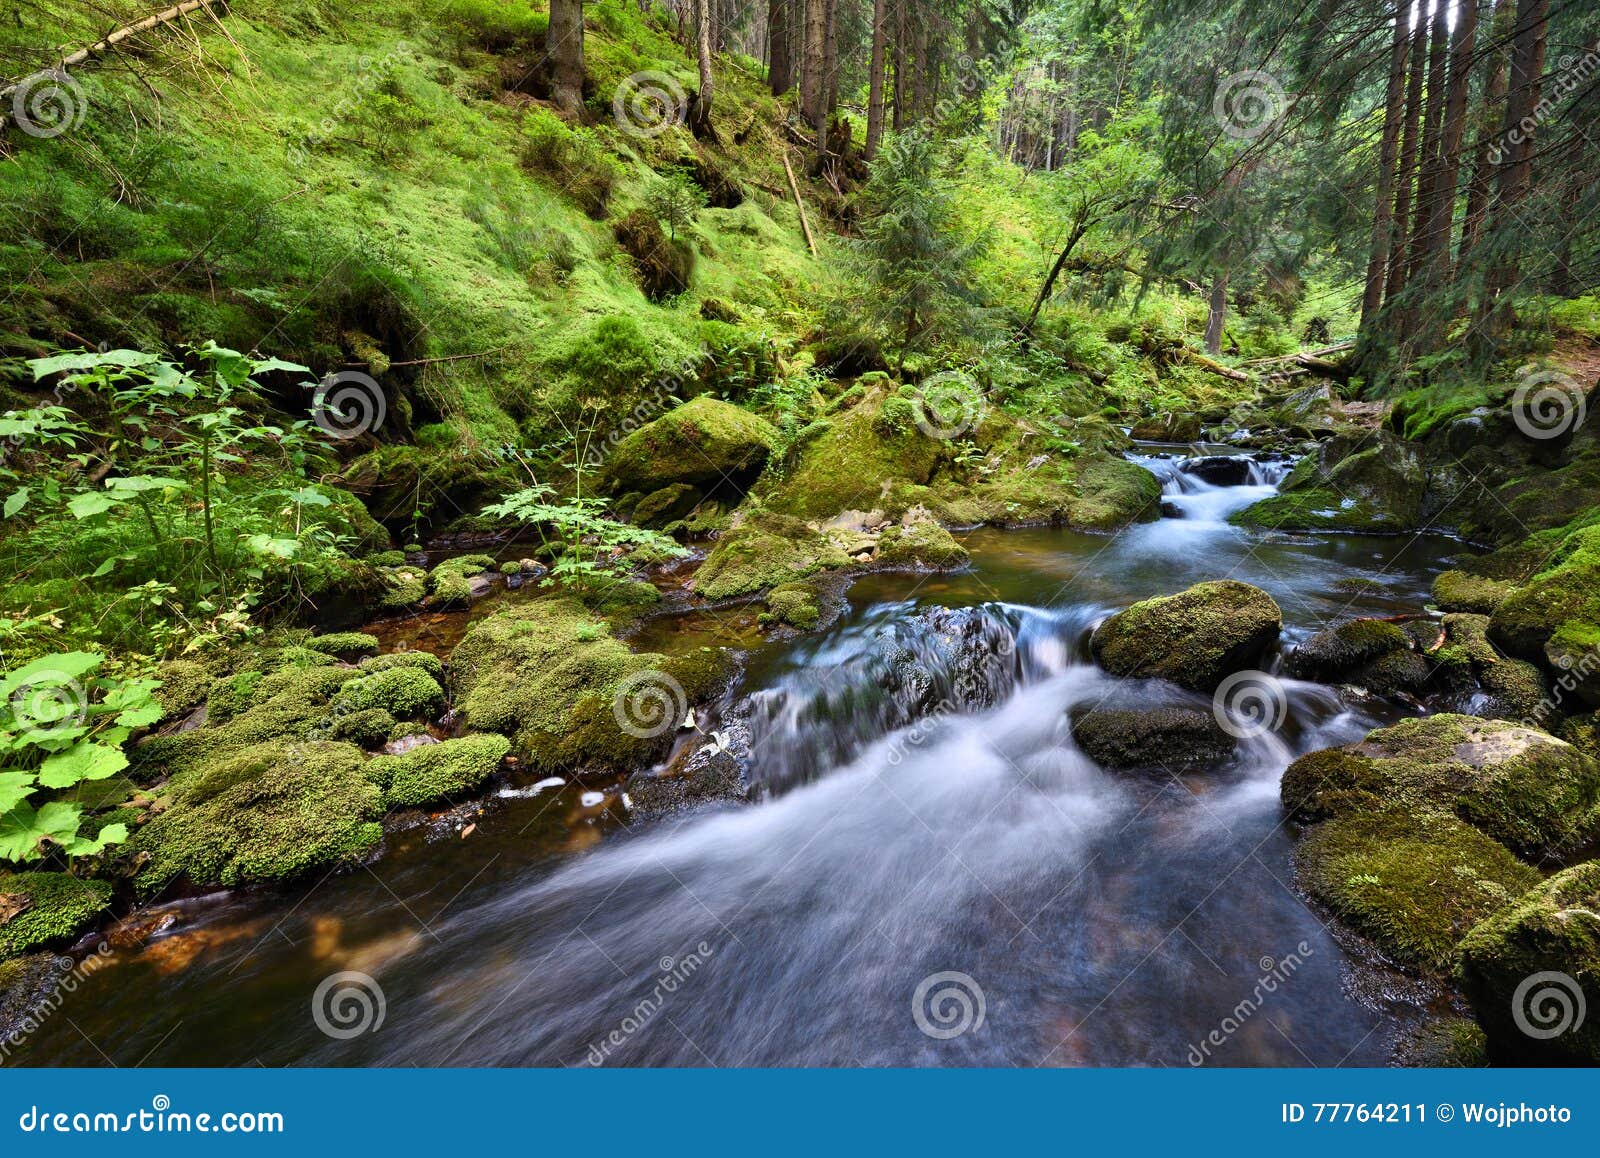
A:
(1098, 916)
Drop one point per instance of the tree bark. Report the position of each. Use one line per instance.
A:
(780, 46)
(700, 114)
(1406, 174)
(875, 109)
(1388, 149)
(813, 99)
(1491, 109)
(1217, 313)
(564, 50)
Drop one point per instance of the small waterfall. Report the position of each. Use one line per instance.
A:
(899, 670)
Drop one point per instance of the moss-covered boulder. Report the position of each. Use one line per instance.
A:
(1532, 967)
(571, 696)
(272, 812)
(1526, 789)
(345, 645)
(1474, 594)
(1379, 490)
(366, 729)
(919, 541)
(406, 693)
(703, 443)
(764, 550)
(1413, 883)
(1554, 620)
(857, 459)
(42, 909)
(1339, 652)
(670, 504)
(793, 605)
(1172, 740)
(422, 660)
(403, 588)
(439, 772)
(1467, 659)
(1195, 639)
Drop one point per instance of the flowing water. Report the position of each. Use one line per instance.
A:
(927, 842)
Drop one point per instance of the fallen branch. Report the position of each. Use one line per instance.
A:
(794, 187)
(1205, 363)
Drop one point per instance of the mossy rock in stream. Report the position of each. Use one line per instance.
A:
(439, 772)
(919, 541)
(1467, 659)
(422, 660)
(1376, 491)
(703, 443)
(272, 812)
(1340, 651)
(1412, 883)
(572, 697)
(43, 909)
(1171, 740)
(345, 645)
(406, 693)
(1537, 795)
(1530, 968)
(764, 550)
(1473, 594)
(793, 605)
(1554, 620)
(1195, 639)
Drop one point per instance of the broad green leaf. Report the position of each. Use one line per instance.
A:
(88, 846)
(22, 829)
(92, 503)
(268, 365)
(311, 498)
(51, 670)
(15, 787)
(83, 761)
(105, 568)
(139, 484)
(89, 360)
(16, 502)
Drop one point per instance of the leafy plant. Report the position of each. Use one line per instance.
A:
(62, 726)
(676, 201)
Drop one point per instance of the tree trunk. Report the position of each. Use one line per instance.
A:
(1527, 68)
(1489, 116)
(700, 114)
(830, 60)
(1393, 112)
(1436, 247)
(1079, 228)
(1217, 313)
(1428, 163)
(564, 51)
(780, 46)
(813, 101)
(1406, 174)
(875, 109)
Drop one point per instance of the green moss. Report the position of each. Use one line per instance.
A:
(403, 692)
(58, 907)
(572, 696)
(1412, 883)
(920, 542)
(231, 695)
(854, 462)
(422, 660)
(1168, 739)
(1553, 928)
(794, 605)
(368, 729)
(764, 551)
(345, 645)
(1338, 651)
(434, 772)
(667, 505)
(1446, 1043)
(184, 686)
(1194, 639)
(404, 588)
(704, 442)
(1477, 594)
(269, 813)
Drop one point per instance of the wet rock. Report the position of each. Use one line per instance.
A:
(1378, 490)
(1530, 965)
(1535, 794)
(1340, 651)
(1474, 594)
(1218, 470)
(712, 770)
(1195, 639)
(1172, 740)
(437, 772)
(43, 909)
(667, 505)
